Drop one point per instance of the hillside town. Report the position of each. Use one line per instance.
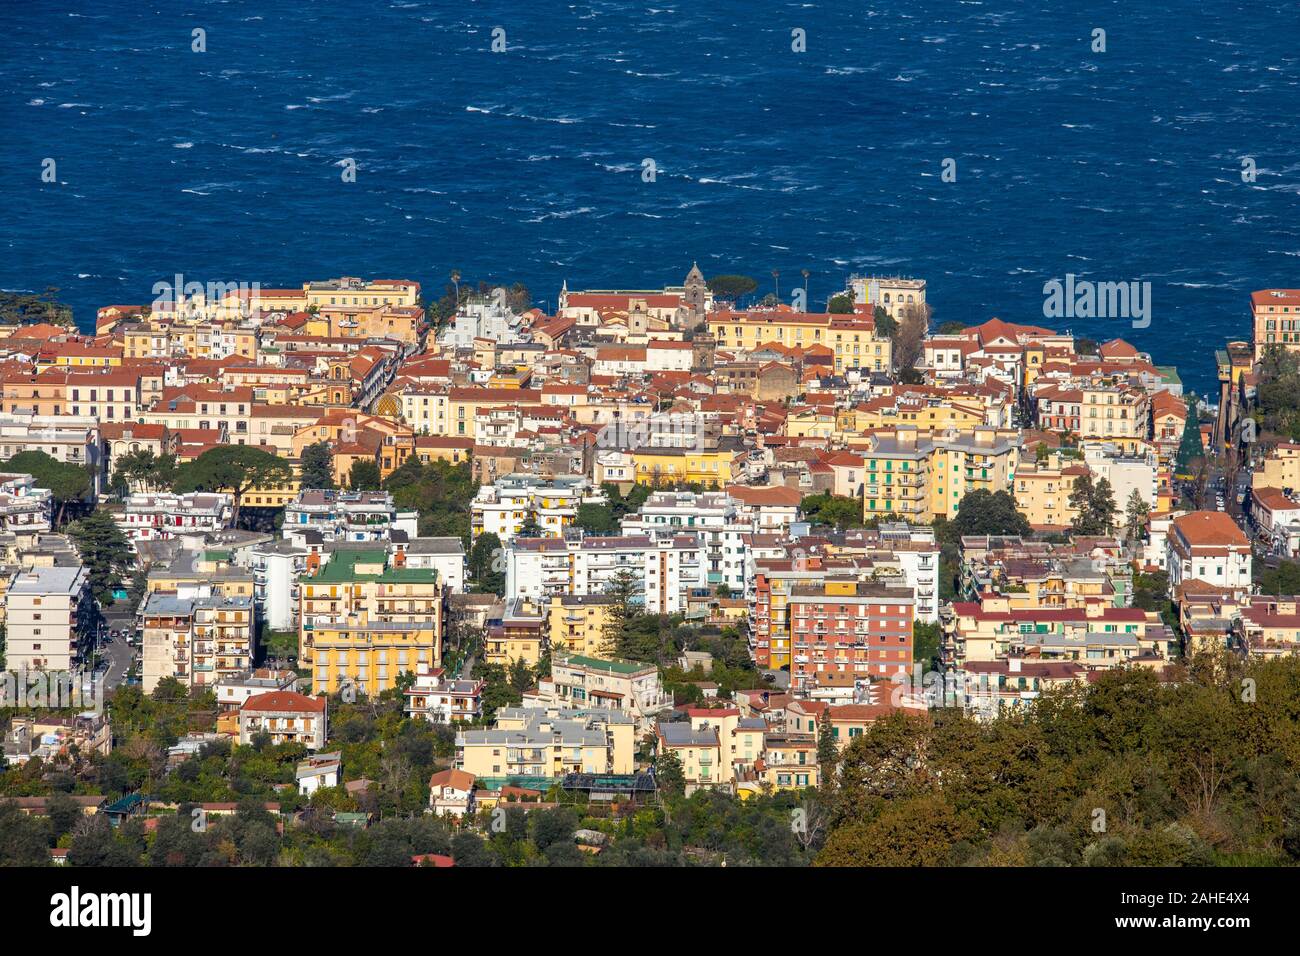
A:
(354, 573)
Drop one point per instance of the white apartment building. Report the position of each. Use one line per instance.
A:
(664, 569)
(345, 516)
(504, 507)
(914, 550)
(1126, 473)
(715, 515)
(1208, 546)
(161, 516)
(24, 508)
(892, 293)
(444, 555)
(276, 567)
(443, 700)
(483, 317)
(286, 717)
(48, 617)
(67, 438)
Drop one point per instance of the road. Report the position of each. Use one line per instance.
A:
(119, 655)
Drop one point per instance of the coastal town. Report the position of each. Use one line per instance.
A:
(365, 572)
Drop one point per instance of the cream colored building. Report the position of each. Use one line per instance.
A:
(47, 616)
(549, 742)
(1042, 491)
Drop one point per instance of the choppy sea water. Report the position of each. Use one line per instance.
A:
(528, 165)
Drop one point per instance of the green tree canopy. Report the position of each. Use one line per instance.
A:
(142, 470)
(317, 466)
(236, 469)
(731, 287)
(364, 475)
(104, 550)
(1095, 504)
(840, 304)
(835, 510)
(989, 512)
(596, 519)
(487, 564)
(66, 482)
(29, 308)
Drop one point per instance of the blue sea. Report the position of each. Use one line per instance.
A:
(527, 165)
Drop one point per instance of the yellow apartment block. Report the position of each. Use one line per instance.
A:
(853, 338)
(578, 623)
(656, 466)
(362, 623)
(923, 476)
(1042, 492)
(1281, 469)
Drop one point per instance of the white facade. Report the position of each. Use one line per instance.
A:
(669, 356)
(443, 555)
(46, 615)
(276, 567)
(504, 507)
(715, 515)
(162, 516)
(483, 318)
(24, 508)
(318, 772)
(345, 516)
(664, 569)
(1125, 474)
(1208, 546)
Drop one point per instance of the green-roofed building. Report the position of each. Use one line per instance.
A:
(628, 686)
(366, 620)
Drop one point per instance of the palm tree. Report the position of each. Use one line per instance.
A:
(455, 281)
(804, 272)
(776, 279)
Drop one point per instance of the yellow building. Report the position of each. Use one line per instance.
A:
(1042, 492)
(922, 477)
(520, 636)
(812, 421)
(191, 569)
(577, 624)
(275, 495)
(931, 416)
(549, 743)
(852, 337)
(363, 623)
(655, 466)
(368, 322)
(357, 292)
(789, 763)
(1281, 469)
(77, 355)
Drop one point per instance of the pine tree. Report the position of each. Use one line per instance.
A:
(104, 551)
(828, 754)
(1135, 516)
(619, 614)
(318, 466)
